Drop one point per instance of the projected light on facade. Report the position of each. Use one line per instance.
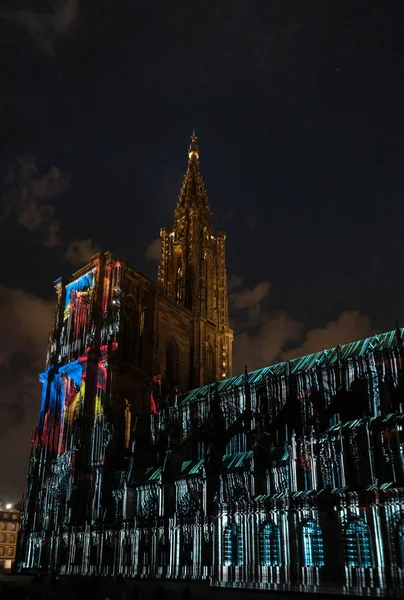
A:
(290, 477)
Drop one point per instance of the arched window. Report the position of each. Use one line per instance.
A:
(64, 551)
(210, 364)
(128, 421)
(172, 363)
(78, 555)
(232, 546)
(187, 549)
(206, 552)
(358, 544)
(312, 545)
(93, 551)
(400, 542)
(270, 543)
(127, 552)
(107, 554)
(179, 286)
(161, 551)
(130, 329)
(143, 550)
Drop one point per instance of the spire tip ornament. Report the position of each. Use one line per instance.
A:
(193, 147)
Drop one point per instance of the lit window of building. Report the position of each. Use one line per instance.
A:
(400, 539)
(232, 546)
(8, 541)
(270, 545)
(358, 544)
(313, 548)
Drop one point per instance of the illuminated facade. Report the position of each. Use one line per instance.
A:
(9, 526)
(290, 477)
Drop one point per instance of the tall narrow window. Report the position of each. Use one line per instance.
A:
(64, 552)
(172, 363)
(143, 550)
(232, 546)
(187, 549)
(358, 544)
(128, 421)
(94, 551)
(270, 543)
(312, 545)
(107, 552)
(161, 551)
(142, 354)
(206, 552)
(179, 282)
(130, 329)
(127, 552)
(78, 555)
(400, 542)
(141, 322)
(210, 364)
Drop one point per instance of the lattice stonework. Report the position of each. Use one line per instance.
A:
(150, 460)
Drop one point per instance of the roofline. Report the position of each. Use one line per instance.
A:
(377, 342)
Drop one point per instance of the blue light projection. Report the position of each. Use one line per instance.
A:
(400, 540)
(270, 545)
(313, 548)
(313, 489)
(83, 283)
(233, 546)
(359, 552)
(53, 392)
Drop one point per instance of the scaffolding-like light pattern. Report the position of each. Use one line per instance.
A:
(271, 480)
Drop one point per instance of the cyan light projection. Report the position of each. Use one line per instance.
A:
(62, 401)
(64, 382)
(359, 551)
(312, 546)
(233, 546)
(77, 330)
(79, 288)
(286, 478)
(62, 396)
(270, 549)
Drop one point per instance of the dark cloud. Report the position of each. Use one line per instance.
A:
(264, 336)
(349, 326)
(233, 283)
(79, 252)
(23, 340)
(44, 22)
(263, 346)
(24, 190)
(35, 217)
(154, 250)
(251, 299)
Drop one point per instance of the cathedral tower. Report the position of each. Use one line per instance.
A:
(192, 273)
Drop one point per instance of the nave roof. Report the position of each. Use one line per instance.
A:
(379, 342)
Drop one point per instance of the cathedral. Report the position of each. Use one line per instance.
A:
(150, 460)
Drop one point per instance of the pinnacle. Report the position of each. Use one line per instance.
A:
(193, 191)
(193, 147)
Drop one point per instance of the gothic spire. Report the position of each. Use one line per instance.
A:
(193, 192)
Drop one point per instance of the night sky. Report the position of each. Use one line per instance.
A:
(298, 107)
